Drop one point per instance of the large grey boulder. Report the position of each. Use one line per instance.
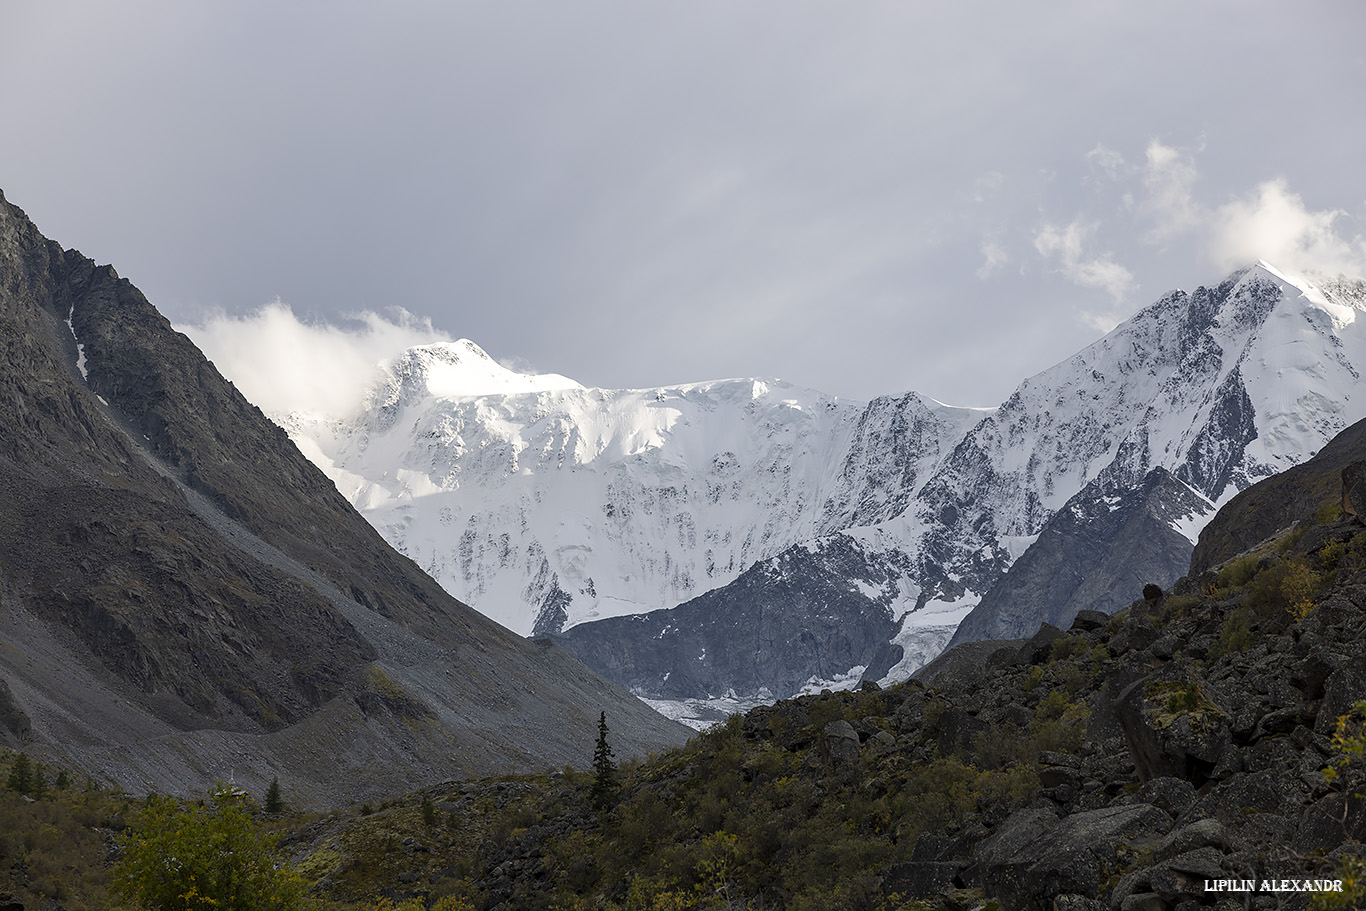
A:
(840, 742)
(1032, 858)
(1184, 742)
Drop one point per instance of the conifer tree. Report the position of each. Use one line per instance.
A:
(274, 801)
(604, 769)
(20, 774)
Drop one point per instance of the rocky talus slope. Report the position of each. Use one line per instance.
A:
(1212, 732)
(184, 596)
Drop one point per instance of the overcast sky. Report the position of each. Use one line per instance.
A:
(864, 198)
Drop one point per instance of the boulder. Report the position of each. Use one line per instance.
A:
(1354, 489)
(1330, 821)
(956, 728)
(1181, 743)
(1342, 688)
(920, 879)
(1144, 901)
(1032, 858)
(1135, 636)
(1087, 621)
(1238, 801)
(882, 743)
(840, 742)
(1183, 877)
(1203, 833)
(1036, 649)
(1173, 795)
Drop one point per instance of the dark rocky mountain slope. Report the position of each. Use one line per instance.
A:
(184, 597)
(1296, 495)
(1093, 554)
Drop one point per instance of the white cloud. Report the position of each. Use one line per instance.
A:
(281, 363)
(1106, 160)
(1169, 179)
(1273, 224)
(994, 256)
(1102, 322)
(1066, 245)
(518, 365)
(986, 185)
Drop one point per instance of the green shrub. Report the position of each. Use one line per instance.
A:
(1352, 872)
(1349, 741)
(1180, 698)
(1235, 634)
(1237, 572)
(1059, 724)
(1330, 510)
(180, 859)
(1066, 647)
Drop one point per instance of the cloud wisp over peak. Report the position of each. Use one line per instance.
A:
(283, 363)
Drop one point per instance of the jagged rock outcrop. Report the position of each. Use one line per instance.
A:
(1295, 495)
(184, 595)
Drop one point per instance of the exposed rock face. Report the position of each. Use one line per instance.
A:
(898, 443)
(1200, 751)
(185, 594)
(776, 628)
(1295, 495)
(1035, 856)
(1096, 553)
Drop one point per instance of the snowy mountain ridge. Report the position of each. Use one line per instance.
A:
(552, 504)
(549, 505)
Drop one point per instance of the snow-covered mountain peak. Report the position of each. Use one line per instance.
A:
(547, 503)
(457, 369)
(1341, 296)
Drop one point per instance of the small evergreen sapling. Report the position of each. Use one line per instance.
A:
(275, 803)
(604, 769)
(429, 817)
